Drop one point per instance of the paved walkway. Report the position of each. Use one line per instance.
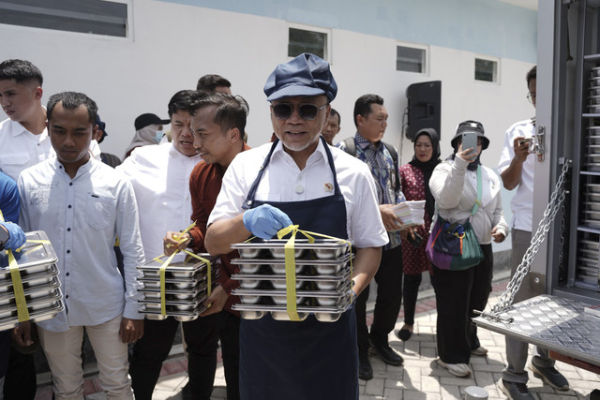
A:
(420, 378)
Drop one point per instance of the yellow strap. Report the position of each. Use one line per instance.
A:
(162, 273)
(15, 274)
(290, 264)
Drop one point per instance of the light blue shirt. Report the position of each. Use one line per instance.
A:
(82, 218)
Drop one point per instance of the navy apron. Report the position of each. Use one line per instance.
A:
(307, 360)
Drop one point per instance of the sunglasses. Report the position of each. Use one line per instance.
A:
(306, 111)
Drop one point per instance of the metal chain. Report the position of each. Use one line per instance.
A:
(556, 200)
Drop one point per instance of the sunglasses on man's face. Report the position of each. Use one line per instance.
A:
(306, 111)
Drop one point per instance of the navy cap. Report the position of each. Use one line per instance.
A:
(146, 119)
(102, 127)
(305, 75)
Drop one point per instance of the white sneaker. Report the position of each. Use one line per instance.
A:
(461, 370)
(480, 351)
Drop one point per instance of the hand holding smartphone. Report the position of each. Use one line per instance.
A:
(469, 141)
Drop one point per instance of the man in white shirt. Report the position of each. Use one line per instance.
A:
(299, 179)
(23, 135)
(83, 205)
(516, 167)
(160, 177)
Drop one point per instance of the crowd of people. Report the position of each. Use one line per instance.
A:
(104, 216)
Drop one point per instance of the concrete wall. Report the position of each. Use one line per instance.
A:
(173, 42)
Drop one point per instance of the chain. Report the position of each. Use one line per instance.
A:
(556, 200)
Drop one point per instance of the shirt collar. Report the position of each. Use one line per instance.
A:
(84, 169)
(173, 152)
(364, 143)
(16, 128)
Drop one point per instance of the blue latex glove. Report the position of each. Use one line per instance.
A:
(265, 220)
(16, 235)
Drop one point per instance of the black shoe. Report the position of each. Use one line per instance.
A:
(384, 350)
(403, 334)
(550, 376)
(595, 395)
(515, 391)
(365, 371)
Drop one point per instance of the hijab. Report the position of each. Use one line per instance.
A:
(427, 167)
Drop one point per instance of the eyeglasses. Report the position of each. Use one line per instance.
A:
(306, 111)
(531, 97)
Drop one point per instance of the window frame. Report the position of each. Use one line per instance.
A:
(426, 51)
(129, 32)
(327, 31)
(496, 60)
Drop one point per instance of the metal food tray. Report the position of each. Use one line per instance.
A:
(31, 281)
(593, 148)
(35, 316)
(6, 312)
(593, 167)
(175, 302)
(32, 254)
(592, 205)
(592, 159)
(588, 262)
(594, 139)
(277, 266)
(5, 274)
(279, 312)
(177, 293)
(591, 223)
(592, 215)
(594, 90)
(323, 282)
(321, 248)
(592, 196)
(555, 323)
(33, 292)
(589, 244)
(33, 303)
(181, 316)
(170, 285)
(341, 291)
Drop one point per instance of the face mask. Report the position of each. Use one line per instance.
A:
(159, 136)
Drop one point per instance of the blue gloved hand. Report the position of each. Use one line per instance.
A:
(16, 236)
(265, 220)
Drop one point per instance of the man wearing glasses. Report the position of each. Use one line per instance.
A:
(299, 179)
(370, 118)
(516, 169)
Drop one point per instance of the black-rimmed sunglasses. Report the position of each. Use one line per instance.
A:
(306, 111)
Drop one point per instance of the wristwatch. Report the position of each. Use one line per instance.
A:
(4, 236)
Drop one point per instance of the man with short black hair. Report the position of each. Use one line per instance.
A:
(23, 136)
(370, 118)
(218, 122)
(332, 127)
(212, 83)
(517, 167)
(160, 177)
(83, 205)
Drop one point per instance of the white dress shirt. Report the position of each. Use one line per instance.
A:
(160, 176)
(454, 188)
(20, 149)
(522, 202)
(284, 181)
(82, 217)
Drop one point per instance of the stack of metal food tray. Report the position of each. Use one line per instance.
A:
(591, 161)
(323, 279)
(587, 266)
(36, 261)
(186, 284)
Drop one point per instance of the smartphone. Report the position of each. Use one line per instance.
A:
(469, 140)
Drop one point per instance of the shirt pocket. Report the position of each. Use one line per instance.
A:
(39, 200)
(100, 211)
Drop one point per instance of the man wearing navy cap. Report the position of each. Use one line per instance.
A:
(299, 179)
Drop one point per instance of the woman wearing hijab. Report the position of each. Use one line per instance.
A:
(414, 181)
(465, 191)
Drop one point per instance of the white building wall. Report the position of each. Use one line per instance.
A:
(171, 45)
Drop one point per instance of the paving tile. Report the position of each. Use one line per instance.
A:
(374, 386)
(394, 384)
(414, 395)
(450, 392)
(393, 394)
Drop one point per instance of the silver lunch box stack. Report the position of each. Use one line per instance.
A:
(39, 278)
(186, 284)
(591, 159)
(323, 279)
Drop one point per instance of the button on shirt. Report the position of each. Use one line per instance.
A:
(82, 217)
(20, 148)
(522, 202)
(284, 181)
(160, 176)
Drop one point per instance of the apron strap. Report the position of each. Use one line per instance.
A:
(479, 192)
(249, 202)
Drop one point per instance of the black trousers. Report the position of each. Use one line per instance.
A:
(229, 335)
(387, 305)
(153, 348)
(410, 292)
(20, 381)
(457, 294)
